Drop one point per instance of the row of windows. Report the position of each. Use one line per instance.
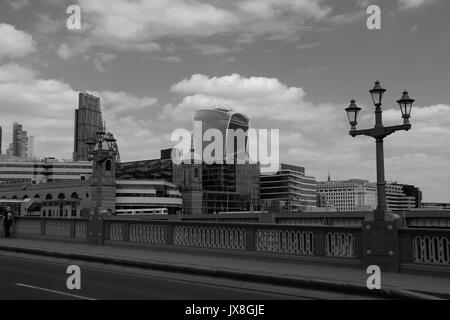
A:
(146, 195)
(45, 166)
(44, 173)
(58, 213)
(49, 196)
(143, 187)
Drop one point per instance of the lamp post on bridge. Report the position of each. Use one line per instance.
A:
(102, 153)
(380, 239)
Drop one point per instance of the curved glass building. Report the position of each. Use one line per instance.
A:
(223, 120)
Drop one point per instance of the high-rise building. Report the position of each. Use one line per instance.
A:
(290, 185)
(31, 147)
(1, 139)
(88, 121)
(19, 145)
(228, 186)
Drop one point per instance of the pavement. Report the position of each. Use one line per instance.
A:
(238, 269)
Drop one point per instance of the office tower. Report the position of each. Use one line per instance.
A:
(1, 139)
(19, 146)
(31, 147)
(88, 120)
(228, 186)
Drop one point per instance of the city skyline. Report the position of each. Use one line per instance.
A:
(297, 76)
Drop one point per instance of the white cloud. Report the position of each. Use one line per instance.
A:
(411, 4)
(100, 59)
(141, 25)
(316, 136)
(46, 109)
(14, 43)
(18, 4)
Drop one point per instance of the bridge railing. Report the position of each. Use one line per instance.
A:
(411, 219)
(425, 246)
(64, 228)
(418, 247)
(342, 242)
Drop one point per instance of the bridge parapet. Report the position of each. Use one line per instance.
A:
(424, 249)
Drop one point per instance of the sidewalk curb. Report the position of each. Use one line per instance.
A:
(307, 283)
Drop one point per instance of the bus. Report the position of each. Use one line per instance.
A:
(142, 212)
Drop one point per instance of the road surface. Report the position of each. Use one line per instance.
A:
(24, 278)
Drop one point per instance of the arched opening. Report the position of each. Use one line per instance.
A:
(48, 197)
(37, 196)
(25, 197)
(74, 196)
(14, 197)
(61, 196)
(108, 166)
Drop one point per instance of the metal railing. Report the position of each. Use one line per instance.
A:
(421, 247)
(439, 219)
(425, 246)
(63, 228)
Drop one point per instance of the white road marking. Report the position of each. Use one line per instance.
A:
(54, 291)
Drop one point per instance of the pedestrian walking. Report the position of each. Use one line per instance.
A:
(8, 219)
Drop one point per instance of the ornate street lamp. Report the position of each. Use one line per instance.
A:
(379, 132)
(377, 93)
(352, 113)
(405, 104)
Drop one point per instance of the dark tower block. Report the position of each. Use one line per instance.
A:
(88, 120)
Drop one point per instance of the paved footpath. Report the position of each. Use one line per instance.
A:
(219, 264)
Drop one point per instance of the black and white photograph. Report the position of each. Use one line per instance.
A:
(224, 156)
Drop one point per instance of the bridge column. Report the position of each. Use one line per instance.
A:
(95, 229)
(381, 245)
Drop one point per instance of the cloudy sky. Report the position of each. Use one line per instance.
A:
(291, 65)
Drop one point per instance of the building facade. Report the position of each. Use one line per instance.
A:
(436, 206)
(47, 170)
(349, 195)
(291, 186)
(77, 198)
(19, 146)
(141, 194)
(88, 121)
(361, 195)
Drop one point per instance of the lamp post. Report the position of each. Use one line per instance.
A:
(99, 152)
(379, 132)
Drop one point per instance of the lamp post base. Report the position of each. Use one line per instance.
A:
(381, 245)
(95, 229)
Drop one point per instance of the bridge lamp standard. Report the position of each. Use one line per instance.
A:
(379, 132)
